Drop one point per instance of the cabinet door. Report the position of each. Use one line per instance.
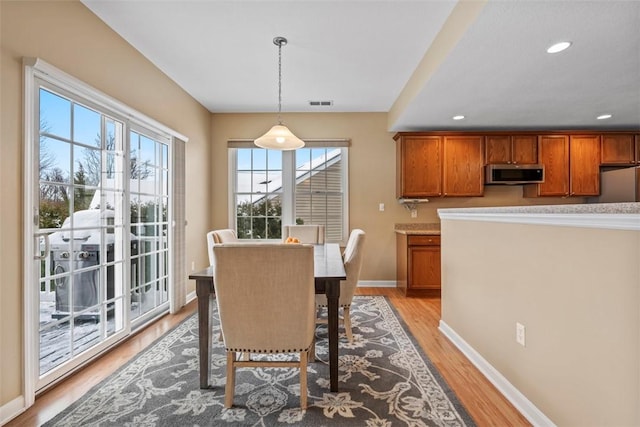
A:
(618, 149)
(637, 148)
(524, 149)
(424, 267)
(463, 166)
(584, 162)
(419, 166)
(553, 152)
(497, 149)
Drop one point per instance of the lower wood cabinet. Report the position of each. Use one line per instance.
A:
(418, 264)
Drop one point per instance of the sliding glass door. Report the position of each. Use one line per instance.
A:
(100, 231)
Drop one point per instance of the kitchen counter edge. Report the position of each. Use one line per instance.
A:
(617, 216)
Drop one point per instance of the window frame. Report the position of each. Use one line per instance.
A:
(288, 181)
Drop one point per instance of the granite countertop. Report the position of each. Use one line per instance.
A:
(418, 228)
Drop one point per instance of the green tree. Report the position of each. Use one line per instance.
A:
(259, 220)
(81, 196)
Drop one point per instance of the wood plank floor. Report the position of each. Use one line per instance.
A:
(483, 402)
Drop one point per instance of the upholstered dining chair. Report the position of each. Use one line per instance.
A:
(226, 235)
(265, 296)
(352, 265)
(308, 233)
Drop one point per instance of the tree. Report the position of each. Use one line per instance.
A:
(54, 199)
(81, 197)
(259, 220)
(93, 161)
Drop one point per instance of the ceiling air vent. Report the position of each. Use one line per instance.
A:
(320, 103)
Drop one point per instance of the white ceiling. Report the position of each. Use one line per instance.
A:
(360, 54)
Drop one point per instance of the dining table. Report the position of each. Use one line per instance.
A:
(328, 272)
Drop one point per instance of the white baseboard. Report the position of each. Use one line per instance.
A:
(12, 409)
(191, 296)
(513, 395)
(377, 283)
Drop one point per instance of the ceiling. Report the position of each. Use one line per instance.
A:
(421, 61)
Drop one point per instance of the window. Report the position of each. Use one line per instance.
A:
(270, 188)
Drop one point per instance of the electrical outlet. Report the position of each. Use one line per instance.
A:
(381, 207)
(193, 266)
(414, 213)
(520, 334)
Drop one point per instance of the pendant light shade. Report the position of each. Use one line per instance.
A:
(279, 137)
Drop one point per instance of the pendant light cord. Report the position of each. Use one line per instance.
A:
(279, 41)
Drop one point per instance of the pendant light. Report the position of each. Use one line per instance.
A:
(279, 136)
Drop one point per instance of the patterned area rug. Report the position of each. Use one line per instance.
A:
(384, 378)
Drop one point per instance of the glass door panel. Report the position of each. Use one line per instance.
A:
(149, 224)
(80, 232)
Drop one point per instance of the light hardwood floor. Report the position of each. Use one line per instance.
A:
(483, 402)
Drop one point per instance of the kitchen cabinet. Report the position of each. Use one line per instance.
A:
(418, 166)
(572, 166)
(584, 165)
(438, 165)
(462, 170)
(619, 149)
(511, 149)
(418, 264)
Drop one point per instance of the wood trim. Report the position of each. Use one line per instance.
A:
(514, 132)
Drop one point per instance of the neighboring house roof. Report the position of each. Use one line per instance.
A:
(267, 185)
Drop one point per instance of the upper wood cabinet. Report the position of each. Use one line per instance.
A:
(620, 149)
(418, 166)
(463, 166)
(438, 165)
(553, 153)
(511, 149)
(571, 166)
(584, 165)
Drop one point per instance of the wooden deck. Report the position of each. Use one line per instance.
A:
(55, 340)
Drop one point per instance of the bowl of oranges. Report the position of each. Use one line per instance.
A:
(292, 240)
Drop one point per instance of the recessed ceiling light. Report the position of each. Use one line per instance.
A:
(558, 47)
(604, 116)
(458, 117)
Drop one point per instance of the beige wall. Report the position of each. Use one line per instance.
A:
(576, 291)
(371, 178)
(70, 37)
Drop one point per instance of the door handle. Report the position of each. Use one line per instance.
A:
(42, 255)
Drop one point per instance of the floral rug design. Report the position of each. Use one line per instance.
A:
(384, 378)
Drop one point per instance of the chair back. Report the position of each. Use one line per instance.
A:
(226, 235)
(265, 296)
(311, 233)
(352, 255)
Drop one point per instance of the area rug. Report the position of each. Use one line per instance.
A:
(384, 378)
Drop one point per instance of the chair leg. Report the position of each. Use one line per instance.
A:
(229, 389)
(304, 357)
(347, 323)
(312, 349)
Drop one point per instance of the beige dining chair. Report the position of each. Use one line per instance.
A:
(265, 296)
(308, 233)
(352, 265)
(226, 235)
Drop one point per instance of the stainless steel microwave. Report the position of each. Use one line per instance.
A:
(514, 174)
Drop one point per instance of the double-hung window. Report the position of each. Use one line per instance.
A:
(272, 188)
